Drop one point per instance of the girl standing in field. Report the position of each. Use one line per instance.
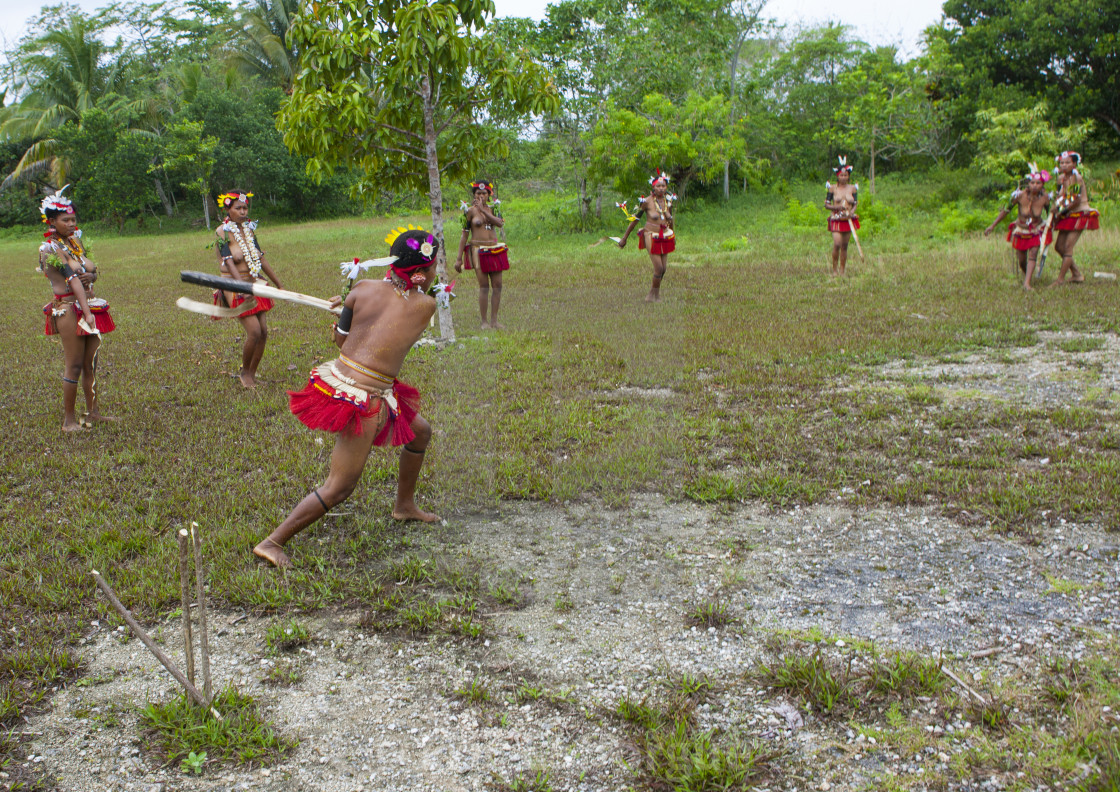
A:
(482, 247)
(75, 315)
(841, 199)
(240, 257)
(657, 235)
(1073, 214)
(1025, 234)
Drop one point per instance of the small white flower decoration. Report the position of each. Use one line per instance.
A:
(426, 250)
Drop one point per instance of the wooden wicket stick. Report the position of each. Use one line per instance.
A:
(855, 236)
(146, 639)
(185, 595)
(203, 631)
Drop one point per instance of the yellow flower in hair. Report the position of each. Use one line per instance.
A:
(396, 232)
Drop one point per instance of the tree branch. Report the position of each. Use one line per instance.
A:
(408, 154)
(400, 131)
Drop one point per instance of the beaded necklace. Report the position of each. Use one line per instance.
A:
(247, 242)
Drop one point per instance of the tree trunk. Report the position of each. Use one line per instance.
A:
(435, 199)
(584, 201)
(872, 160)
(599, 203)
(731, 114)
(206, 208)
(163, 199)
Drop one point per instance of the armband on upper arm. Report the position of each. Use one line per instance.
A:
(344, 319)
(223, 249)
(828, 197)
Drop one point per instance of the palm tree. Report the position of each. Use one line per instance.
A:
(266, 51)
(65, 73)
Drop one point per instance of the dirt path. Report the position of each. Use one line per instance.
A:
(610, 596)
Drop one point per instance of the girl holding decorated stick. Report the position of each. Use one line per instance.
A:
(657, 234)
(75, 315)
(1073, 214)
(485, 253)
(240, 257)
(1030, 231)
(840, 199)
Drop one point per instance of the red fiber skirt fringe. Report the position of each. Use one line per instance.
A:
(1089, 220)
(1027, 242)
(844, 226)
(660, 246)
(263, 304)
(100, 313)
(319, 406)
(493, 261)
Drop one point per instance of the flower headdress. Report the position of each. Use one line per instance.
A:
(1035, 173)
(659, 175)
(411, 249)
(482, 184)
(56, 203)
(844, 166)
(226, 199)
(1072, 155)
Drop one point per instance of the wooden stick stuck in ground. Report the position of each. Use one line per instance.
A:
(185, 594)
(146, 639)
(203, 631)
(958, 680)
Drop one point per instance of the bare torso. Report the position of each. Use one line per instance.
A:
(659, 214)
(481, 227)
(844, 199)
(1080, 199)
(385, 326)
(1031, 208)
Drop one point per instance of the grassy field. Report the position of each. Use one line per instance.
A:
(752, 338)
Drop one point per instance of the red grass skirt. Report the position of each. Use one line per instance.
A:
(1027, 241)
(330, 405)
(843, 226)
(1087, 220)
(99, 308)
(494, 260)
(263, 304)
(661, 244)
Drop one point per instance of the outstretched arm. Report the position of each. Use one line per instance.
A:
(1002, 214)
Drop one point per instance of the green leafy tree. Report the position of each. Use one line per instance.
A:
(266, 52)
(879, 96)
(63, 74)
(398, 89)
(804, 90)
(1066, 53)
(189, 156)
(691, 140)
(110, 163)
(1007, 142)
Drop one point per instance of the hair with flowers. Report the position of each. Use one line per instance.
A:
(55, 205)
(843, 166)
(413, 247)
(227, 199)
(1073, 155)
(659, 176)
(482, 184)
(1035, 173)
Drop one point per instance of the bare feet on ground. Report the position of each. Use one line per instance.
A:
(413, 512)
(99, 418)
(497, 326)
(71, 426)
(653, 297)
(247, 381)
(272, 553)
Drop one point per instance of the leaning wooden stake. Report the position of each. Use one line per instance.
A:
(146, 639)
(185, 595)
(203, 632)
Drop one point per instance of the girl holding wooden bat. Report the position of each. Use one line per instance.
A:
(841, 200)
(75, 315)
(358, 397)
(240, 257)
